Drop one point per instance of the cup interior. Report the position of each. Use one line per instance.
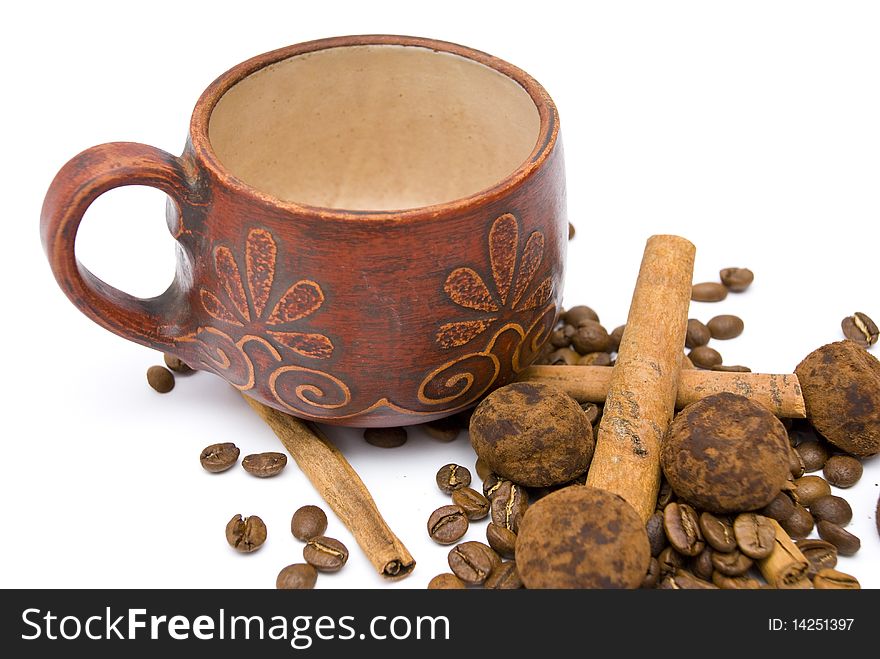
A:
(374, 127)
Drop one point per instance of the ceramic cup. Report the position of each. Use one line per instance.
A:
(371, 230)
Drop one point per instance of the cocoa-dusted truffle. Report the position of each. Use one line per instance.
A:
(725, 453)
(533, 434)
(582, 537)
(841, 386)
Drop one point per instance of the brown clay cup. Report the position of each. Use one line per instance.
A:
(371, 230)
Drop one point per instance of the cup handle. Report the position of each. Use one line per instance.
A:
(153, 322)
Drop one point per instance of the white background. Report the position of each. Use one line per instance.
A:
(751, 128)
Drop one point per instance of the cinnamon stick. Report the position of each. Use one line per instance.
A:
(781, 394)
(342, 489)
(644, 381)
(786, 566)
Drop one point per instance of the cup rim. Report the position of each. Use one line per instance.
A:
(547, 134)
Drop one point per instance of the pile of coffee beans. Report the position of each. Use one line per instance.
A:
(321, 553)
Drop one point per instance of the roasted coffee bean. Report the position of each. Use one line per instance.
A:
(799, 524)
(504, 577)
(724, 368)
(718, 532)
(176, 364)
(829, 579)
(579, 313)
(590, 337)
(595, 359)
(813, 453)
(160, 379)
(832, 509)
(509, 504)
(656, 533)
(299, 576)
(682, 528)
(592, 411)
(842, 471)
(861, 329)
(666, 494)
(810, 488)
(683, 580)
(446, 581)
(670, 560)
(219, 457)
(483, 470)
(697, 334)
(741, 582)
(559, 339)
(731, 564)
(571, 231)
(246, 534)
(847, 544)
(702, 566)
(705, 357)
(564, 357)
(616, 336)
(385, 437)
(447, 524)
(755, 535)
(443, 430)
(492, 484)
(308, 522)
(326, 554)
(652, 576)
(453, 477)
(820, 554)
(736, 279)
(782, 507)
(795, 463)
(708, 291)
(725, 326)
(472, 562)
(473, 504)
(264, 465)
(501, 539)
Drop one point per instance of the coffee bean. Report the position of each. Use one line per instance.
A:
(709, 291)
(615, 337)
(472, 562)
(832, 509)
(308, 522)
(592, 411)
(847, 544)
(501, 539)
(453, 477)
(725, 327)
(590, 337)
(741, 582)
(385, 437)
(814, 454)
(705, 357)
(782, 507)
(860, 329)
(731, 564)
(483, 470)
(842, 471)
(656, 533)
(819, 553)
(219, 457)
(810, 488)
(299, 576)
(176, 364)
(702, 566)
(684, 580)
(799, 524)
(736, 279)
(447, 524)
(509, 504)
(595, 359)
(571, 231)
(576, 314)
(755, 535)
(725, 368)
(564, 357)
(666, 494)
(264, 465)
(326, 554)
(492, 484)
(472, 503)
(670, 560)
(504, 577)
(443, 430)
(697, 334)
(559, 339)
(682, 528)
(718, 532)
(446, 581)
(652, 576)
(795, 463)
(829, 579)
(160, 379)
(245, 534)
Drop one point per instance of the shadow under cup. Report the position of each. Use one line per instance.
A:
(371, 229)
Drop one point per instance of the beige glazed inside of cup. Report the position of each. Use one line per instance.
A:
(374, 127)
